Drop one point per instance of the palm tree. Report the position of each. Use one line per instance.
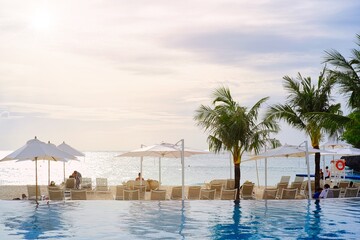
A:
(234, 128)
(347, 73)
(308, 108)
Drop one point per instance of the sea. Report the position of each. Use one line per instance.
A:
(199, 169)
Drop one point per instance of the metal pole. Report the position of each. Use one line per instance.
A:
(36, 182)
(141, 171)
(257, 173)
(182, 170)
(64, 171)
(230, 164)
(48, 172)
(308, 168)
(159, 171)
(265, 170)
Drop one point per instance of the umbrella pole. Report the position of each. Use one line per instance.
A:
(159, 171)
(64, 171)
(36, 182)
(230, 166)
(265, 172)
(257, 173)
(308, 168)
(182, 170)
(48, 172)
(141, 167)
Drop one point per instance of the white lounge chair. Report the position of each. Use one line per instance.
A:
(228, 194)
(207, 194)
(56, 195)
(76, 194)
(102, 185)
(194, 192)
(158, 195)
(176, 193)
(270, 193)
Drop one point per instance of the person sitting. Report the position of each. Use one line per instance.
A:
(351, 184)
(139, 177)
(317, 193)
(325, 191)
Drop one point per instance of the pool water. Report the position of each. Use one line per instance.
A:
(276, 219)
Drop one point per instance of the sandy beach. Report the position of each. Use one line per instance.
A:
(9, 192)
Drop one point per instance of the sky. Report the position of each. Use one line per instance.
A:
(112, 75)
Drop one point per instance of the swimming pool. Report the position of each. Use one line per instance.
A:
(277, 219)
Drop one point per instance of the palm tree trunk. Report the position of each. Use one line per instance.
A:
(317, 170)
(237, 180)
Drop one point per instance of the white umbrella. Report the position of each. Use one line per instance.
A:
(165, 150)
(289, 151)
(69, 149)
(37, 150)
(66, 157)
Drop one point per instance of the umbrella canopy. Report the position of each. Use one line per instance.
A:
(345, 152)
(167, 150)
(69, 149)
(336, 144)
(287, 151)
(37, 150)
(161, 150)
(290, 151)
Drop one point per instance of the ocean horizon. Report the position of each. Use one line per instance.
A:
(199, 169)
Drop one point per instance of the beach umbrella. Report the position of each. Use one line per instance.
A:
(69, 149)
(290, 151)
(35, 150)
(167, 150)
(66, 157)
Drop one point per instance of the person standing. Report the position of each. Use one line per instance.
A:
(77, 177)
(327, 173)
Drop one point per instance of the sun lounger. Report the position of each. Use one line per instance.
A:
(194, 192)
(228, 194)
(102, 185)
(78, 194)
(296, 185)
(285, 179)
(230, 184)
(207, 194)
(158, 195)
(270, 193)
(351, 192)
(131, 194)
(288, 193)
(142, 190)
(176, 193)
(86, 183)
(32, 192)
(218, 188)
(247, 191)
(299, 179)
(119, 195)
(333, 193)
(69, 184)
(280, 186)
(56, 195)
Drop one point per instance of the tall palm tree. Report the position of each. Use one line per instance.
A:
(234, 128)
(347, 73)
(302, 107)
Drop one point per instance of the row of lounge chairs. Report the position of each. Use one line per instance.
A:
(193, 193)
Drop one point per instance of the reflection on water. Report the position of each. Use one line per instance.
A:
(299, 219)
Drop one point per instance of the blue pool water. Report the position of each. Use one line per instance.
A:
(277, 219)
